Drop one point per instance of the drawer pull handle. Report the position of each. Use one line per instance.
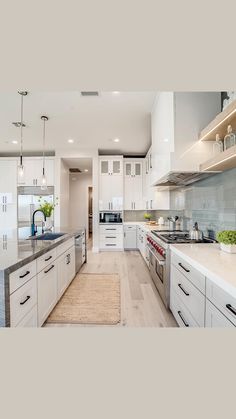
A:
(110, 237)
(182, 289)
(231, 308)
(49, 269)
(111, 244)
(181, 316)
(23, 302)
(49, 257)
(27, 273)
(185, 269)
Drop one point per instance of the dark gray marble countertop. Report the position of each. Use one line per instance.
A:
(16, 250)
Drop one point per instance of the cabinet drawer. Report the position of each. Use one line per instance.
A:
(112, 228)
(214, 317)
(31, 319)
(111, 240)
(130, 227)
(22, 275)
(196, 277)
(23, 300)
(62, 248)
(180, 312)
(222, 300)
(46, 259)
(192, 298)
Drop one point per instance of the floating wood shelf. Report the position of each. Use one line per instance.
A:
(222, 161)
(220, 123)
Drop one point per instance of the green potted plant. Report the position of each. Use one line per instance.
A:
(47, 208)
(227, 240)
(147, 217)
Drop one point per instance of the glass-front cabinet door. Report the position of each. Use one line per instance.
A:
(104, 167)
(116, 167)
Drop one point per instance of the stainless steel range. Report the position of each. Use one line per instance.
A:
(158, 243)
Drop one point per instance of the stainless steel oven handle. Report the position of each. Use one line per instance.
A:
(160, 261)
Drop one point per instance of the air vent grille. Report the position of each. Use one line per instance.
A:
(89, 93)
(75, 170)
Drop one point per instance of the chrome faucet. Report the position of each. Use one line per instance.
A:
(33, 226)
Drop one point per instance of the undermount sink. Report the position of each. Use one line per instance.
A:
(48, 236)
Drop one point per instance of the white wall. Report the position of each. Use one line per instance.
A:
(61, 213)
(78, 200)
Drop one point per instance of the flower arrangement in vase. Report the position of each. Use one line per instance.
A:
(47, 208)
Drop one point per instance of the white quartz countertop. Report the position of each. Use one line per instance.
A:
(146, 226)
(218, 266)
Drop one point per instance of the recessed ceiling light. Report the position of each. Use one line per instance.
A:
(86, 170)
(116, 140)
(166, 140)
(14, 142)
(70, 140)
(116, 93)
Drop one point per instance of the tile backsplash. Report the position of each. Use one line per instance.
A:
(210, 202)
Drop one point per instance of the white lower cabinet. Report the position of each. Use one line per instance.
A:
(111, 237)
(65, 270)
(214, 317)
(197, 301)
(130, 237)
(31, 319)
(22, 301)
(182, 315)
(189, 296)
(47, 291)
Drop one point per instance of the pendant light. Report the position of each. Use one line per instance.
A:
(44, 179)
(21, 124)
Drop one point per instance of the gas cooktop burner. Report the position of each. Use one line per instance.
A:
(179, 237)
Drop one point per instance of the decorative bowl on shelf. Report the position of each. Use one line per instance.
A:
(227, 240)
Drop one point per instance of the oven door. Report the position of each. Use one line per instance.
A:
(158, 273)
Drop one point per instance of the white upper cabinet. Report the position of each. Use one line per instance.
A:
(111, 184)
(33, 170)
(109, 167)
(133, 184)
(177, 119)
(8, 193)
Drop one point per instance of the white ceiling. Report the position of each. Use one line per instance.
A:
(80, 163)
(92, 122)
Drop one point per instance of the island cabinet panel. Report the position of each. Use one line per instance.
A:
(31, 319)
(22, 275)
(47, 291)
(22, 301)
(65, 270)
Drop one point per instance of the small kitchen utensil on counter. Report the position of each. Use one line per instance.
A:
(172, 222)
(161, 221)
(195, 233)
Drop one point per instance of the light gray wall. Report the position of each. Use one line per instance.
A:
(210, 202)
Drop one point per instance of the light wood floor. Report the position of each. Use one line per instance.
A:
(141, 304)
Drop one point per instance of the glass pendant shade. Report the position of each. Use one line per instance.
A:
(21, 168)
(43, 182)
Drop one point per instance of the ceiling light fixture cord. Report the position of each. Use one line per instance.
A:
(21, 129)
(44, 120)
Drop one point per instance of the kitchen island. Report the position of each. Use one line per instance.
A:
(34, 274)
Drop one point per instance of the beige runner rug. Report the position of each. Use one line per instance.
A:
(90, 299)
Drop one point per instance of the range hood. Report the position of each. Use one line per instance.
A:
(179, 179)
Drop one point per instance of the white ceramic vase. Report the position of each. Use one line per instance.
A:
(229, 248)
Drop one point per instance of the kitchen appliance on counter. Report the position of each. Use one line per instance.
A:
(110, 217)
(158, 244)
(80, 250)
